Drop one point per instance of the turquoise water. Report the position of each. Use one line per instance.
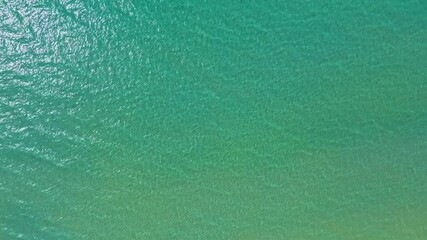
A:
(213, 120)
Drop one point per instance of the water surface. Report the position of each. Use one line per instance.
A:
(213, 120)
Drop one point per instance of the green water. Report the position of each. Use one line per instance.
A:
(213, 119)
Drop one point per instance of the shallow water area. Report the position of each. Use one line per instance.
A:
(213, 120)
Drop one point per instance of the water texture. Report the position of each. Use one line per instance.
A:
(213, 119)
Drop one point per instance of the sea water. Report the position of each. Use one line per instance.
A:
(213, 119)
